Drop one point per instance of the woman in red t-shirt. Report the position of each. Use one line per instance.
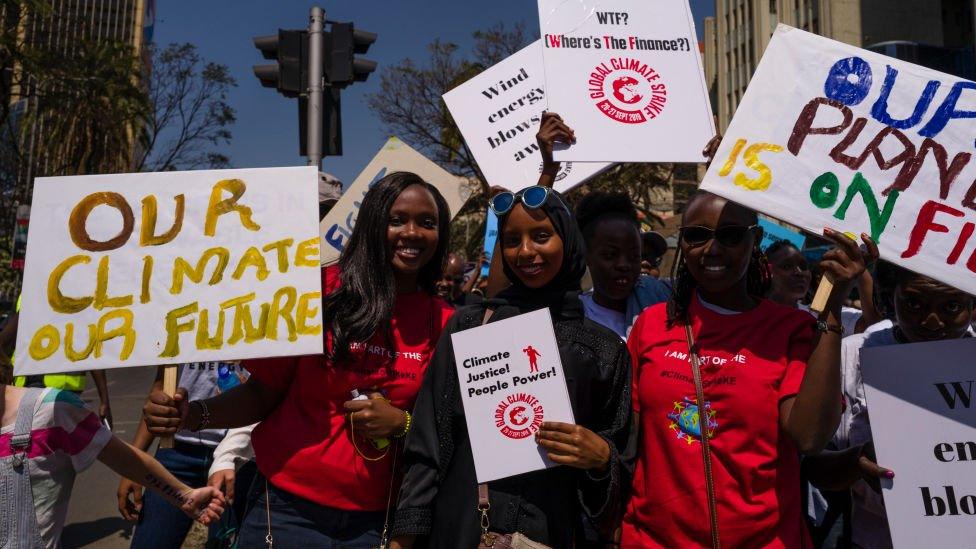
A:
(771, 379)
(329, 479)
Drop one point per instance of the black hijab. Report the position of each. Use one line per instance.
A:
(561, 294)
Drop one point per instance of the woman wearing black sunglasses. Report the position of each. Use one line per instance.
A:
(770, 382)
(542, 253)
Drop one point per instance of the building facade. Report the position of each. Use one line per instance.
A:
(937, 33)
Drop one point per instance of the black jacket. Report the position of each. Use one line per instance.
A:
(438, 497)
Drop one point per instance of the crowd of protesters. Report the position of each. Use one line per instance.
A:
(764, 443)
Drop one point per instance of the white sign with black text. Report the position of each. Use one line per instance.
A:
(511, 380)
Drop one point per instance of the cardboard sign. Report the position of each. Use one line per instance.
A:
(773, 233)
(498, 113)
(829, 135)
(395, 156)
(627, 76)
(923, 420)
(511, 380)
(170, 267)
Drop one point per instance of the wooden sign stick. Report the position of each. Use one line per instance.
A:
(169, 387)
(820, 298)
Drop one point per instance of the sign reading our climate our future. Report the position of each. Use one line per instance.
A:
(511, 380)
(498, 113)
(170, 267)
(396, 156)
(627, 76)
(829, 135)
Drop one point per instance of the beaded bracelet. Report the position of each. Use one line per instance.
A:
(406, 426)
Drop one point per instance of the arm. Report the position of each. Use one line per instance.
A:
(129, 493)
(811, 417)
(551, 129)
(869, 310)
(101, 384)
(476, 276)
(245, 404)
(234, 449)
(8, 335)
(202, 504)
(841, 469)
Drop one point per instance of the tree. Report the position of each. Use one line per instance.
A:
(190, 114)
(409, 101)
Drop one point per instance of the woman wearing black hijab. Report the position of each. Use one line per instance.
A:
(543, 256)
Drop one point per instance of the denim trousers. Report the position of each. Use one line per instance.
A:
(298, 522)
(161, 525)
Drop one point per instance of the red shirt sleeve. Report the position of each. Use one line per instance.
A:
(634, 347)
(797, 355)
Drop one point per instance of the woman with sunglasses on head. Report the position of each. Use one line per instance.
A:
(620, 292)
(770, 381)
(325, 452)
(542, 255)
(922, 309)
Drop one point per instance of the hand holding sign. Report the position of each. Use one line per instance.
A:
(573, 445)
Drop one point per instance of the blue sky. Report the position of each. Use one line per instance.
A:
(266, 132)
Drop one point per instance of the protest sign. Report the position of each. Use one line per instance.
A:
(498, 113)
(774, 233)
(627, 76)
(923, 420)
(170, 267)
(511, 380)
(395, 156)
(829, 135)
(491, 236)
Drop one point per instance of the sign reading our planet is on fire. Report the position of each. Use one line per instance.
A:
(627, 76)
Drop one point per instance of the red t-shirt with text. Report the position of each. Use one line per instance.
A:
(304, 446)
(750, 362)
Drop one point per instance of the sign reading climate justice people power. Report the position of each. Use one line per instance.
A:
(170, 267)
(829, 135)
(511, 380)
(923, 420)
(498, 113)
(395, 156)
(627, 76)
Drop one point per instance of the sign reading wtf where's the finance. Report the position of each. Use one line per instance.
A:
(627, 76)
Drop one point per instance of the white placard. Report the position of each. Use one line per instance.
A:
(395, 156)
(627, 76)
(923, 421)
(829, 135)
(511, 380)
(498, 113)
(171, 267)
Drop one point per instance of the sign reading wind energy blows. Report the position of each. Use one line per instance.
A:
(627, 77)
(171, 267)
(498, 113)
(829, 135)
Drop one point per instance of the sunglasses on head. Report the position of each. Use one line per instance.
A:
(728, 236)
(532, 198)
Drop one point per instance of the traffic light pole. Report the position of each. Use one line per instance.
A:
(316, 54)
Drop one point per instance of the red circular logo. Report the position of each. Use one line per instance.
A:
(628, 90)
(519, 415)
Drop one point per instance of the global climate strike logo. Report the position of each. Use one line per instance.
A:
(628, 90)
(519, 415)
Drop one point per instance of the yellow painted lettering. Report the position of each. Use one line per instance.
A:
(123, 330)
(69, 337)
(44, 343)
(204, 340)
(751, 156)
(183, 269)
(59, 302)
(219, 206)
(102, 299)
(147, 270)
(244, 327)
(307, 254)
(252, 258)
(281, 247)
(304, 312)
(733, 156)
(147, 233)
(174, 327)
(289, 294)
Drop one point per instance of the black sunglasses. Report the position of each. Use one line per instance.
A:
(728, 236)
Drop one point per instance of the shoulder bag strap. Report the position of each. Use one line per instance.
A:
(703, 429)
(484, 504)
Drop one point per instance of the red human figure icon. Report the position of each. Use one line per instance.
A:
(533, 357)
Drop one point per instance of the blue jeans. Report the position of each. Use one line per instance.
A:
(161, 525)
(297, 522)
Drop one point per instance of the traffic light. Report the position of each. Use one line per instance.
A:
(290, 74)
(342, 66)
